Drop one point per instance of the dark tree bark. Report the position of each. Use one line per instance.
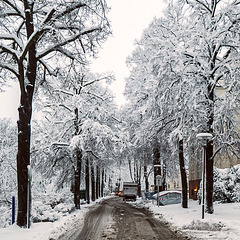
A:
(93, 195)
(77, 174)
(209, 178)
(130, 169)
(23, 160)
(24, 122)
(87, 180)
(102, 182)
(209, 148)
(146, 179)
(183, 175)
(156, 161)
(97, 182)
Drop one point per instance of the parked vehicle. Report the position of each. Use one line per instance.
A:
(169, 197)
(149, 195)
(130, 190)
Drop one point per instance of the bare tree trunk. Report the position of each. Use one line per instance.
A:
(23, 159)
(130, 169)
(209, 178)
(87, 180)
(102, 182)
(164, 182)
(93, 195)
(77, 173)
(97, 181)
(156, 161)
(209, 148)
(77, 179)
(146, 179)
(24, 123)
(139, 179)
(183, 174)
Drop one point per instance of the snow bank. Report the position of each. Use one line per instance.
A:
(222, 224)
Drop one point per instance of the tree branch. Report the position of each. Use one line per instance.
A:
(13, 38)
(10, 68)
(69, 40)
(14, 6)
(11, 51)
(70, 9)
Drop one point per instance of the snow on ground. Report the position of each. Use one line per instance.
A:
(48, 230)
(222, 224)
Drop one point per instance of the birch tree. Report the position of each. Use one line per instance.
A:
(36, 39)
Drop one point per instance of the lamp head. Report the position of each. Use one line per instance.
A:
(204, 136)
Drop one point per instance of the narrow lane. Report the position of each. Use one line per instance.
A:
(115, 219)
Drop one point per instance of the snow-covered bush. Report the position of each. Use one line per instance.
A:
(49, 207)
(226, 185)
(204, 226)
(5, 216)
(43, 213)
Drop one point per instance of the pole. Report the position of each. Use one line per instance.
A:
(203, 180)
(28, 205)
(13, 210)
(29, 171)
(158, 196)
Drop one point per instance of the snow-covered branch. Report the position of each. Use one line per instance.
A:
(64, 91)
(48, 68)
(60, 144)
(17, 11)
(32, 39)
(10, 68)
(69, 9)
(96, 80)
(57, 46)
(59, 105)
(9, 50)
(12, 37)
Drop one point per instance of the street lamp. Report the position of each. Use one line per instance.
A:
(205, 137)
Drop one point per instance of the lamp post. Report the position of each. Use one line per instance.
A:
(29, 171)
(205, 137)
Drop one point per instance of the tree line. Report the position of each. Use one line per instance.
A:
(180, 61)
(184, 79)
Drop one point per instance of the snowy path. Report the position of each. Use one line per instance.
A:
(115, 219)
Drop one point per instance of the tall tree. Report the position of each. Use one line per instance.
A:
(181, 63)
(215, 59)
(34, 36)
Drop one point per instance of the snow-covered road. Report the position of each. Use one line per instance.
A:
(223, 224)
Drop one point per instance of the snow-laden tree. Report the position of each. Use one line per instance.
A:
(212, 52)
(83, 124)
(153, 71)
(36, 39)
(184, 61)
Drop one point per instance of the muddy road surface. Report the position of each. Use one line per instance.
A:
(115, 219)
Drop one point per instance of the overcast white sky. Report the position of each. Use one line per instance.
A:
(128, 19)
